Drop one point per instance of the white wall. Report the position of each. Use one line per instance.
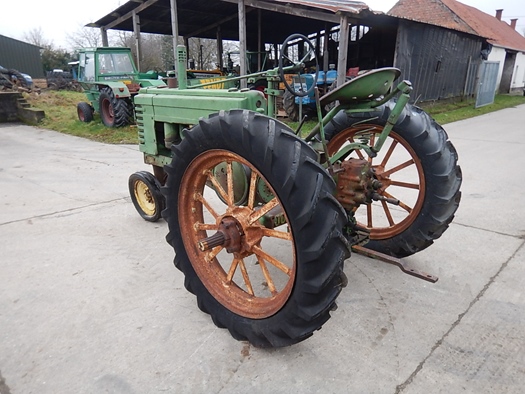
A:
(497, 54)
(518, 75)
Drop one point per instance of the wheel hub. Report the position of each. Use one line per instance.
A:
(236, 233)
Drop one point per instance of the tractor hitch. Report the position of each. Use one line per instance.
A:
(395, 261)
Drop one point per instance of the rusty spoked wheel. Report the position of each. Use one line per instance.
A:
(417, 166)
(399, 170)
(255, 228)
(244, 272)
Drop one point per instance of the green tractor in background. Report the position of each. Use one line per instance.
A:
(110, 80)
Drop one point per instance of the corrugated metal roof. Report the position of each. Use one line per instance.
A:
(454, 15)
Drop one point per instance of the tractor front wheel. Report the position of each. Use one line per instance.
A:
(84, 112)
(255, 227)
(146, 196)
(114, 112)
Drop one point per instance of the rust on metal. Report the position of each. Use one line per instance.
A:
(395, 261)
(384, 173)
(355, 184)
(227, 251)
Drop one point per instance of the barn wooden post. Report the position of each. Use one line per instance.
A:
(242, 41)
(343, 50)
(220, 49)
(174, 29)
(104, 34)
(136, 37)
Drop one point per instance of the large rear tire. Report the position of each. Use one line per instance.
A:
(271, 286)
(114, 112)
(417, 165)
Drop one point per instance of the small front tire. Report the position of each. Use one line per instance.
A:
(85, 112)
(146, 196)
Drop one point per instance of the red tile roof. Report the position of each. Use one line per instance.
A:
(454, 15)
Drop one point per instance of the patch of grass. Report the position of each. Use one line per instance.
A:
(61, 115)
(451, 112)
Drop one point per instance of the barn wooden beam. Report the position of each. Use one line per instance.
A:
(129, 15)
(312, 14)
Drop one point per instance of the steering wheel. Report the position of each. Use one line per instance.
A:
(298, 65)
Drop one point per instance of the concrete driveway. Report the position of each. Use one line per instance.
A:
(90, 301)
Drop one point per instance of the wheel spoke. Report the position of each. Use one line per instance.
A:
(389, 153)
(399, 167)
(369, 215)
(387, 213)
(229, 173)
(246, 278)
(405, 184)
(210, 255)
(276, 234)
(267, 276)
(232, 270)
(199, 197)
(217, 186)
(272, 260)
(287, 58)
(401, 203)
(205, 226)
(256, 215)
(306, 56)
(253, 185)
(358, 152)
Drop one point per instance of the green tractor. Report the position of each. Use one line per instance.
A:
(262, 219)
(110, 80)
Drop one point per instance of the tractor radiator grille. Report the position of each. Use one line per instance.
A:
(139, 114)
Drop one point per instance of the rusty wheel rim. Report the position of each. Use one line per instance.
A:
(400, 171)
(251, 281)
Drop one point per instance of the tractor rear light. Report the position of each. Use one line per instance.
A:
(121, 89)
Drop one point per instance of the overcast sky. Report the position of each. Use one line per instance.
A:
(57, 18)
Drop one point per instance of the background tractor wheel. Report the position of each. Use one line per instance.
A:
(268, 267)
(146, 196)
(85, 112)
(290, 107)
(417, 165)
(114, 112)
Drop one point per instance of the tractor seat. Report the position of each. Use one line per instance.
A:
(366, 87)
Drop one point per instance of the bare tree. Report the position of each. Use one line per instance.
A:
(84, 37)
(203, 51)
(36, 37)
